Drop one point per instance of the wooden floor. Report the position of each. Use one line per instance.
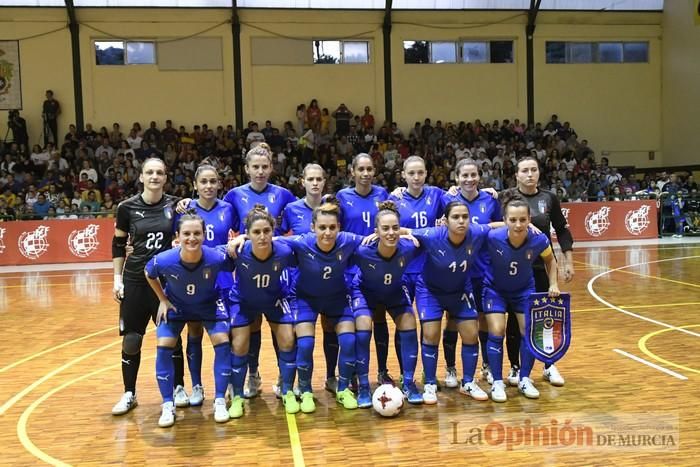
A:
(60, 376)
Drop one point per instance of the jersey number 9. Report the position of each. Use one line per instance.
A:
(190, 289)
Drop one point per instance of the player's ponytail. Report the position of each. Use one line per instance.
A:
(386, 207)
(330, 206)
(514, 199)
(259, 212)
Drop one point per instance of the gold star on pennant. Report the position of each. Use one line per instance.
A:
(561, 302)
(544, 299)
(537, 302)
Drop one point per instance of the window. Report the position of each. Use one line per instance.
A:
(125, 53)
(443, 52)
(458, 52)
(336, 52)
(597, 52)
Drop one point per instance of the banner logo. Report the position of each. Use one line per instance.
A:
(597, 222)
(548, 326)
(637, 220)
(83, 243)
(2, 242)
(34, 244)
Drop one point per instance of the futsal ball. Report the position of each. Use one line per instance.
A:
(387, 400)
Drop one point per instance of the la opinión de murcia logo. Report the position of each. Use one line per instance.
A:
(637, 220)
(597, 222)
(83, 242)
(33, 244)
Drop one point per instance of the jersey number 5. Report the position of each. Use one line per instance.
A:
(513, 268)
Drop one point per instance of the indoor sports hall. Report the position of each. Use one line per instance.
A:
(601, 94)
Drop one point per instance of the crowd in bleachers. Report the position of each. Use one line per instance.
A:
(91, 171)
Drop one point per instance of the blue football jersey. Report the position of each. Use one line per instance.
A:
(379, 277)
(447, 265)
(273, 197)
(510, 268)
(418, 213)
(359, 212)
(191, 289)
(322, 274)
(259, 284)
(297, 217)
(482, 210)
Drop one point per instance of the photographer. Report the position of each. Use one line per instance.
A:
(18, 125)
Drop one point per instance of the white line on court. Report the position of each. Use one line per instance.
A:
(653, 365)
(635, 315)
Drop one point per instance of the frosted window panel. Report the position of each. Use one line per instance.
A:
(33, 3)
(636, 52)
(443, 52)
(416, 52)
(154, 3)
(475, 52)
(140, 53)
(610, 52)
(580, 52)
(338, 4)
(592, 5)
(355, 52)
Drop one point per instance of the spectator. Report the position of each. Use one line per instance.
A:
(367, 120)
(51, 109)
(313, 116)
(342, 116)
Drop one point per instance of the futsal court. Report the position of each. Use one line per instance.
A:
(635, 353)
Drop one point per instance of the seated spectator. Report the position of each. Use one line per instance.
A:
(91, 202)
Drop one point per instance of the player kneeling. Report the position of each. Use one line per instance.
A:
(184, 279)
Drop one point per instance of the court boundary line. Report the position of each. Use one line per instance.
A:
(642, 344)
(595, 295)
(51, 349)
(295, 441)
(650, 364)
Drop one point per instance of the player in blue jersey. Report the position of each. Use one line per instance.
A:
(509, 281)
(483, 209)
(323, 256)
(184, 280)
(379, 285)
(444, 285)
(259, 288)
(360, 206)
(218, 219)
(258, 166)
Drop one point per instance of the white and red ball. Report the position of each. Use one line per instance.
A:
(387, 400)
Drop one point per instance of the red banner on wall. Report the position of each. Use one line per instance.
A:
(616, 220)
(56, 241)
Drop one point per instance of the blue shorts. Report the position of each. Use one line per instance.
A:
(244, 315)
(478, 291)
(500, 302)
(431, 306)
(409, 282)
(335, 310)
(174, 328)
(364, 304)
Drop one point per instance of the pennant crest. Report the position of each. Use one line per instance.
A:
(548, 326)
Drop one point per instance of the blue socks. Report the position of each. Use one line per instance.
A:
(495, 355)
(397, 347)
(165, 372)
(288, 368)
(346, 359)
(449, 347)
(429, 354)
(483, 341)
(470, 354)
(381, 343)
(194, 358)
(222, 366)
(409, 354)
(254, 352)
(330, 351)
(527, 360)
(239, 370)
(362, 349)
(305, 361)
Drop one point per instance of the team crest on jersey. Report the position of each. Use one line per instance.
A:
(82, 243)
(168, 212)
(206, 273)
(276, 266)
(548, 326)
(271, 197)
(542, 206)
(482, 208)
(529, 254)
(339, 256)
(427, 201)
(402, 262)
(34, 244)
(469, 250)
